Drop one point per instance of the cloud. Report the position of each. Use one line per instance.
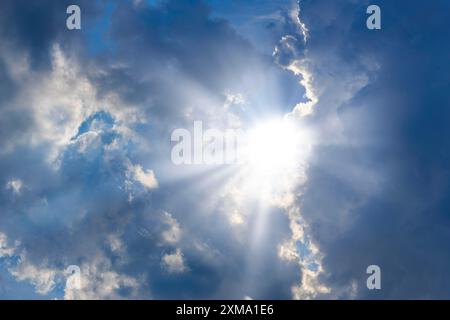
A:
(146, 178)
(173, 234)
(5, 249)
(351, 205)
(40, 276)
(93, 143)
(98, 281)
(85, 134)
(15, 185)
(174, 262)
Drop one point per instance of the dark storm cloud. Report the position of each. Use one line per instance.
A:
(381, 196)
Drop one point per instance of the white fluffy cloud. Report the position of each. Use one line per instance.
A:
(42, 277)
(58, 101)
(173, 232)
(174, 262)
(146, 178)
(99, 281)
(6, 250)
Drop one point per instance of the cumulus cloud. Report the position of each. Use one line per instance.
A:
(98, 281)
(146, 178)
(42, 277)
(174, 262)
(6, 250)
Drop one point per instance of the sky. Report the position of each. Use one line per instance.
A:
(348, 150)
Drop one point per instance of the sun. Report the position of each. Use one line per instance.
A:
(273, 151)
(272, 146)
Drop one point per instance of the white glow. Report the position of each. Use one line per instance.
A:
(272, 146)
(273, 152)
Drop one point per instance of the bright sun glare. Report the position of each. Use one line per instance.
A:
(273, 149)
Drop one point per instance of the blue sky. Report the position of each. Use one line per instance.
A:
(86, 176)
